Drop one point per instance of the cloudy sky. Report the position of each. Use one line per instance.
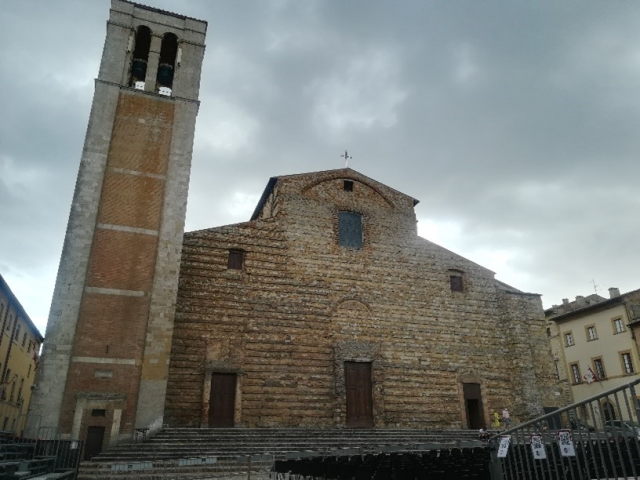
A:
(516, 124)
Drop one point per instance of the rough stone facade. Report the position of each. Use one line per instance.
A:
(111, 320)
(302, 306)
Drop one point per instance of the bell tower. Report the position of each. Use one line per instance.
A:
(105, 361)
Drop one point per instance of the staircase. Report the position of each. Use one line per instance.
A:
(201, 453)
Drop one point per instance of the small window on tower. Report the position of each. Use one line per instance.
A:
(348, 186)
(140, 57)
(98, 413)
(236, 259)
(166, 67)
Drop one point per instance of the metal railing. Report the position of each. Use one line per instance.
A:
(597, 438)
(63, 455)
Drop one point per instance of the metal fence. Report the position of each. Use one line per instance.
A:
(65, 455)
(598, 438)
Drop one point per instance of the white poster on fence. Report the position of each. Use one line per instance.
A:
(537, 447)
(503, 448)
(566, 443)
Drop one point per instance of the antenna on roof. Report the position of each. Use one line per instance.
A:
(346, 159)
(595, 287)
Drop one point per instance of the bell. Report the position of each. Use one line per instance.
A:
(138, 69)
(165, 75)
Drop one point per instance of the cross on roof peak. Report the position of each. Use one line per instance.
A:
(346, 157)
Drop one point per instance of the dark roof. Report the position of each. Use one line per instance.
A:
(273, 180)
(598, 303)
(164, 12)
(265, 194)
(13, 300)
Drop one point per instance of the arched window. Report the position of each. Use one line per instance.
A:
(140, 56)
(608, 412)
(167, 64)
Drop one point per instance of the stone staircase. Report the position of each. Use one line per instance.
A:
(201, 453)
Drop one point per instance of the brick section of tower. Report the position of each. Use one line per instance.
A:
(120, 259)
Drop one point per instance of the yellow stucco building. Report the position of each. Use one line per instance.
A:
(19, 347)
(594, 347)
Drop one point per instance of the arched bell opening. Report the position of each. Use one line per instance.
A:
(166, 66)
(140, 57)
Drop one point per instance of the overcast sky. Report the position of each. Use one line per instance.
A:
(515, 123)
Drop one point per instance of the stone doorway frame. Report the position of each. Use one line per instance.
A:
(210, 368)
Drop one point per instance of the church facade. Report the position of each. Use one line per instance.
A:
(327, 309)
(324, 309)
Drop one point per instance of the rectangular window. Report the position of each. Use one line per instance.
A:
(9, 322)
(98, 413)
(627, 362)
(17, 335)
(618, 326)
(24, 339)
(236, 260)
(568, 339)
(591, 333)
(350, 229)
(456, 283)
(575, 373)
(348, 186)
(598, 368)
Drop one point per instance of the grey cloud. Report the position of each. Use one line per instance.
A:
(516, 121)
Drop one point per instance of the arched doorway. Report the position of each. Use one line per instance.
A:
(608, 412)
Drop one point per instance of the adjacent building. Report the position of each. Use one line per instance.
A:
(19, 347)
(594, 343)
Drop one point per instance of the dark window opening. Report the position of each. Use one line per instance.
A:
(456, 283)
(98, 413)
(166, 67)
(348, 186)
(236, 260)
(140, 55)
(350, 229)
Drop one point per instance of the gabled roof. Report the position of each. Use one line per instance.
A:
(344, 172)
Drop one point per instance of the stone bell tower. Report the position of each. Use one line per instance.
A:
(103, 371)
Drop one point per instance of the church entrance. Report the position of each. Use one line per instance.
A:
(473, 405)
(222, 400)
(359, 394)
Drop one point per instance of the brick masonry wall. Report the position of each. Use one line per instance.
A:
(113, 316)
(303, 305)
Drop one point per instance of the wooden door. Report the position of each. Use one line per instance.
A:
(222, 400)
(359, 394)
(93, 445)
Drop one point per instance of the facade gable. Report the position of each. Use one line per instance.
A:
(304, 308)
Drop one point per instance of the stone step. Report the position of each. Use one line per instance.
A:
(167, 450)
